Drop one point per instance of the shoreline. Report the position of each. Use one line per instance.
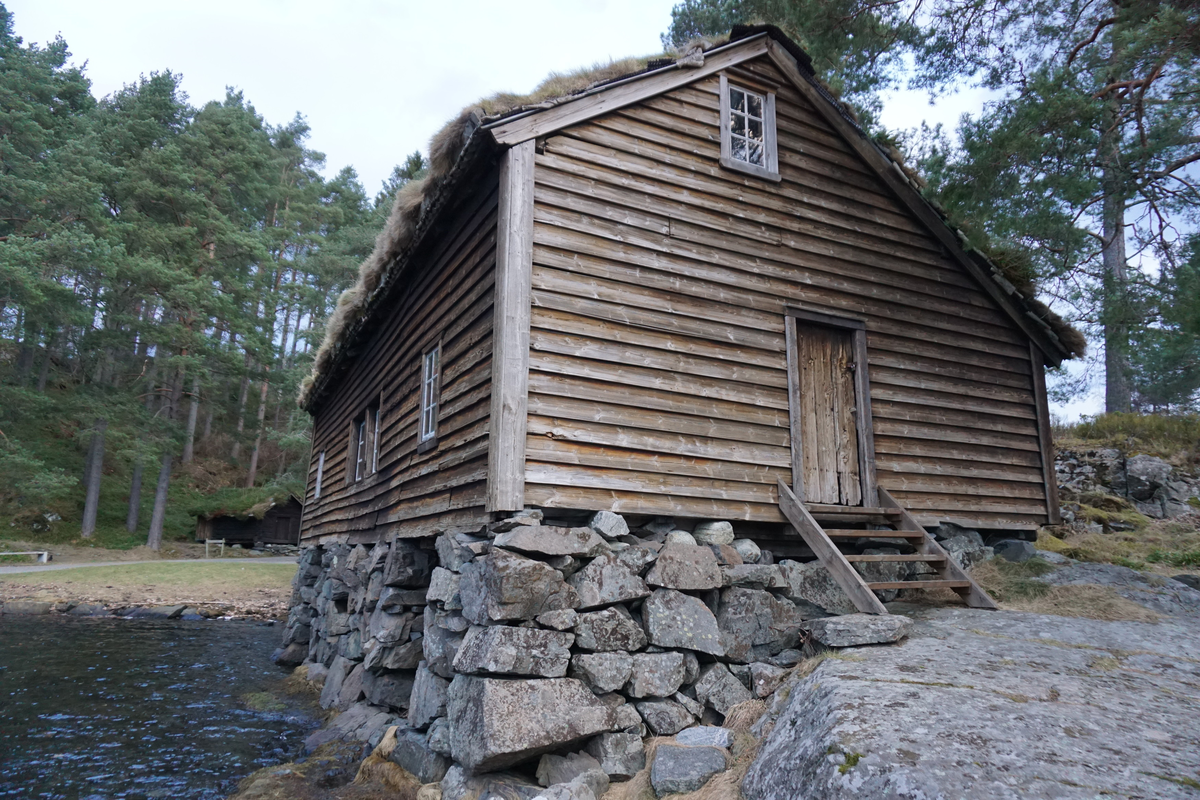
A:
(191, 611)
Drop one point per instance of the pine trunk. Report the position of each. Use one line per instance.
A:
(94, 468)
(154, 538)
(241, 412)
(189, 438)
(135, 497)
(262, 413)
(1114, 305)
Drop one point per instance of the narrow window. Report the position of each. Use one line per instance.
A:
(360, 451)
(748, 130)
(430, 377)
(320, 475)
(376, 435)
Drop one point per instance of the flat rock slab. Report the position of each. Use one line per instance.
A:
(678, 769)
(990, 705)
(1164, 595)
(504, 650)
(851, 630)
(549, 540)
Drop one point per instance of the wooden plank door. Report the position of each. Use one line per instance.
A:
(827, 413)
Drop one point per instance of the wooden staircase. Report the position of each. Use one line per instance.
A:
(890, 521)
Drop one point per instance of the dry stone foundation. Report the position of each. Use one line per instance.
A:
(530, 651)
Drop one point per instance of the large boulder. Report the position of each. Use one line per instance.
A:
(606, 581)
(684, 566)
(548, 540)
(674, 619)
(507, 586)
(679, 770)
(811, 584)
(391, 690)
(1144, 475)
(755, 624)
(497, 723)
(713, 532)
(852, 630)
(428, 699)
(611, 629)
(503, 650)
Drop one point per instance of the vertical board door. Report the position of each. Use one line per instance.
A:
(828, 434)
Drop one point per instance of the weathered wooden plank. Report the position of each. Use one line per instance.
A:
(558, 451)
(796, 426)
(832, 559)
(514, 271)
(551, 496)
(1045, 436)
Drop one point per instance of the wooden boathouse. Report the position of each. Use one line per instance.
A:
(699, 290)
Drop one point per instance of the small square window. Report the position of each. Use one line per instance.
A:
(748, 131)
(430, 390)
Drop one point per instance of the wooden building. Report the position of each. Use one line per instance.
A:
(271, 522)
(669, 294)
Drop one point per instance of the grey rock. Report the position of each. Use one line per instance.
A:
(402, 656)
(506, 586)
(1014, 550)
(656, 674)
(706, 735)
(497, 723)
(679, 537)
(691, 666)
(460, 784)
(621, 755)
(391, 690)
(674, 619)
(664, 717)
(811, 583)
(636, 557)
(966, 548)
(713, 532)
(338, 670)
(427, 700)
(755, 624)
(548, 540)
(1155, 592)
(1191, 581)
(552, 769)
(629, 720)
(387, 628)
(350, 646)
(694, 706)
(1144, 475)
(559, 620)
(407, 565)
(679, 770)
(726, 555)
(443, 588)
(611, 629)
(753, 576)
(851, 630)
(503, 650)
(606, 581)
(748, 550)
(154, 612)
(440, 645)
(1057, 559)
(603, 672)
(352, 687)
(526, 518)
(451, 554)
(683, 566)
(589, 785)
(608, 524)
(765, 678)
(414, 755)
(719, 689)
(292, 655)
(439, 736)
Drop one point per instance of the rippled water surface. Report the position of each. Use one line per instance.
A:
(137, 709)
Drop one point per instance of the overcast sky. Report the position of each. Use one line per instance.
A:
(375, 79)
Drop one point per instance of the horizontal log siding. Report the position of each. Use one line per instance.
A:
(658, 380)
(415, 494)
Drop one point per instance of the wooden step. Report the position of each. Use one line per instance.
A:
(853, 533)
(882, 557)
(919, 585)
(823, 512)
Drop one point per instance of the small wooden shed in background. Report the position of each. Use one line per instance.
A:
(272, 521)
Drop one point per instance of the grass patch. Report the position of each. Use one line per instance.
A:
(1007, 581)
(1013, 586)
(1173, 437)
(224, 575)
(263, 702)
(1175, 558)
(1170, 543)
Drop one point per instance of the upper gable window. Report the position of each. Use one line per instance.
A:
(748, 130)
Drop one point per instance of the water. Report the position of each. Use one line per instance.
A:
(137, 709)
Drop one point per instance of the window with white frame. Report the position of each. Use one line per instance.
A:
(360, 450)
(320, 475)
(430, 390)
(375, 442)
(748, 141)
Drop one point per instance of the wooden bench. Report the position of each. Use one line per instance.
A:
(43, 556)
(221, 542)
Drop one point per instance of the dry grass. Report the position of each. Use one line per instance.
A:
(1174, 438)
(1014, 588)
(1164, 545)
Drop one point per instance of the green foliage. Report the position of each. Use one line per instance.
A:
(1175, 558)
(1165, 435)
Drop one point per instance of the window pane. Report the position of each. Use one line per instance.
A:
(755, 103)
(755, 129)
(737, 100)
(755, 155)
(738, 125)
(738, 148)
